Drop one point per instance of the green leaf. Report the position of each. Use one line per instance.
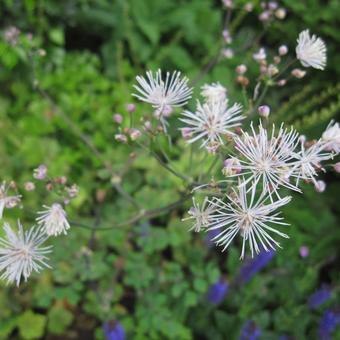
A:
(59, 319)
(31, 325)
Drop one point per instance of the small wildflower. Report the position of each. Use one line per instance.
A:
(134, 134)
(40, 172)
(331, 137)
(319, 297)
(311, 50)
(113, 330)
(250, 331)
(21, 253)
(228, 53)
(298, 73)
(336, 167)
(328, 323)
(260, 55)
(241, 69)
(7, 201)
(248, 7)
(320, 186)
(29, 186)
(283, 50)
(131, 108)
(53, 220)
(248, 217)
(72, 191)
(119, 137)
(280, 13)
(200, 215)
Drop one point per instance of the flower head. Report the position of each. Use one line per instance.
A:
(214, 92)
(249, 217)
(331, 137)
(311, 50)
(212, 121)
(53, 220)
(200, 215)
(267, 158)
(163, 94)
(21, 253)
(7, 201)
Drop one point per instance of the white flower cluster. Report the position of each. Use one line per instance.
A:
(264, 160)
(22, 252)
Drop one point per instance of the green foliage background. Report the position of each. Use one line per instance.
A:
(153, 276)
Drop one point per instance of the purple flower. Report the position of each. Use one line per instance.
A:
(218, 291)
(113, 330)
(250, 331)
(252, 266)
(210, 235)
(328, 323)
(319, 297)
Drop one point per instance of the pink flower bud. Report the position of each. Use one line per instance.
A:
(130, 107)
(337, 167)
(241, 69)
(227, 53)
(298, 73)
(304, 251)
(282, 82)
(186, 132)
(264, 111)
(121, 138)
(29, 186)
(134, 134)
(117, 118)
(320, 186)
(280, 13)
(283, 50)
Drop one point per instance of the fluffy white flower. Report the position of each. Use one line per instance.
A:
(267, 158)
(212, 121)
(260, 55)
(53, 220)
(21, 253)
(309, 162)
(247, 215)
(163, 95)
(200, 215)
(214, 92)
(331, 137)
(7, 201)
(311, 50)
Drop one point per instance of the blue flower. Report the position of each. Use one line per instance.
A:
(251, 267)
(250, 331)
(319, 297)
(113, 330)
(328, 323)
(210, 235)
(218, 291)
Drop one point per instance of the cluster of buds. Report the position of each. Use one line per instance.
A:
(270, 11)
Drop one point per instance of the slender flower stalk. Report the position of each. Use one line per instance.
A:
(22, 252)
(53, 220)
(249, 217)
(311, 50)
(211, 122)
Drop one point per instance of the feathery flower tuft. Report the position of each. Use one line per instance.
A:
(201, 215)
(249, 217)
(163, 95)
(53, 220)
(267, 159)
(214, 92)
(212, 121)
(21, 253)
(311, 50)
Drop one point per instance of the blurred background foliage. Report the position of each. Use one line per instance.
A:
(153, 277)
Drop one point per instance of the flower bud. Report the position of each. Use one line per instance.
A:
(264, 111)
(337, 167)
(320, 186)
(227, 53)
(277, 60)
(130, 107)
(282, 82)
(272, 5)
(280, 13)
(272, 70)
(117, 118)
(121, 138)
(298, 73)
(304, 251)
(241, 69)
(244, 81)
(186, 132)
(29, 186)
(264, 16)
(283, 50)
(134, 134)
